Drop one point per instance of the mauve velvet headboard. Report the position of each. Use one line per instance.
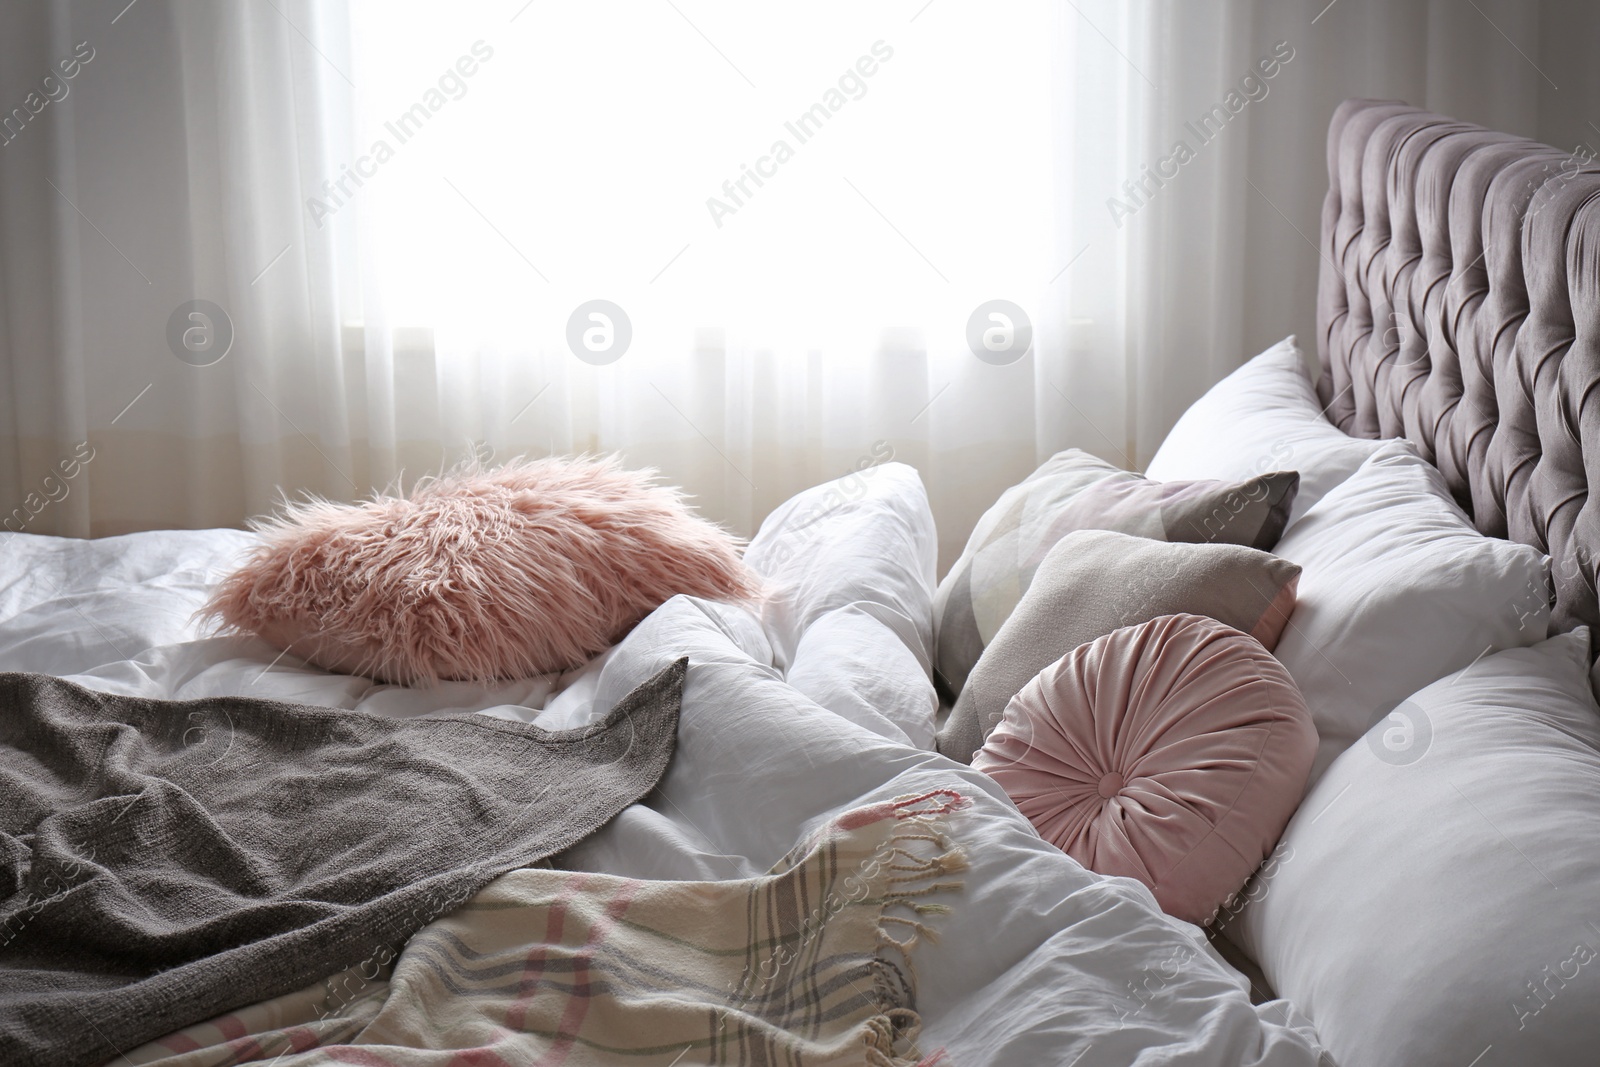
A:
(1459, 306)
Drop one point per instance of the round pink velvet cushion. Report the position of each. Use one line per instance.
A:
(1173, 752)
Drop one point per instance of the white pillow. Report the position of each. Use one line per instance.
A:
(849, 567)
(1438, 891)
(1397, 589)
(1263, 417)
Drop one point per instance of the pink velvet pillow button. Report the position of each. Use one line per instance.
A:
(1173, 752)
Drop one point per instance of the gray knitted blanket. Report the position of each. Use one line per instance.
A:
(162, 862)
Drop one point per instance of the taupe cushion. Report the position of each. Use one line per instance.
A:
(1096, 581)
(1074, 490)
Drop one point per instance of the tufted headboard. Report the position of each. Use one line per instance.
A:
(1459, 306)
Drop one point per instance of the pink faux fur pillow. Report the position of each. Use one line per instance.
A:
(478, 575)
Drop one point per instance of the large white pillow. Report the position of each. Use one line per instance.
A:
(849, 568)
(1436, 900)
(1396, 589)
(1263, 417)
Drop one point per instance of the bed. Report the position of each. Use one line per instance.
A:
(789, 719)
(1454, 312)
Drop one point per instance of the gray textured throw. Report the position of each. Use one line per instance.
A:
(162, 862)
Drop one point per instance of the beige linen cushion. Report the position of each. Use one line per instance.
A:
(1074, 490)
(1096, 581)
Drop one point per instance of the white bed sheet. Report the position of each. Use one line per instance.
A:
(821, 704)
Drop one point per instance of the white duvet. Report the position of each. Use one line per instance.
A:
(821, 704)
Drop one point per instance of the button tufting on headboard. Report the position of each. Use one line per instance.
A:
(1459, 306)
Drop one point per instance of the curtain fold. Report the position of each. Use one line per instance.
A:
(249, 248)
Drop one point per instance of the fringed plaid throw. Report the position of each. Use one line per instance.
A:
(807, 965)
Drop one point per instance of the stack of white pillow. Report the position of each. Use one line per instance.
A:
(1436, 899)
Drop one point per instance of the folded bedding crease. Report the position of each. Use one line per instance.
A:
(818, 703)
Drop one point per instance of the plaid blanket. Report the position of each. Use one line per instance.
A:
(807, 965)
(165, 860)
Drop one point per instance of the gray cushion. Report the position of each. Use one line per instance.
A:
(1074, 490)
(1096, 581)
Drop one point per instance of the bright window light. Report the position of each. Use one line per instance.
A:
(788, 174)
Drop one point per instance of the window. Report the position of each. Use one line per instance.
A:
(801, 177)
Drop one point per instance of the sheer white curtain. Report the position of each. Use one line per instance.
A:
(1222, 262)
(396, 211)
(163, 170)
(796, 212)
